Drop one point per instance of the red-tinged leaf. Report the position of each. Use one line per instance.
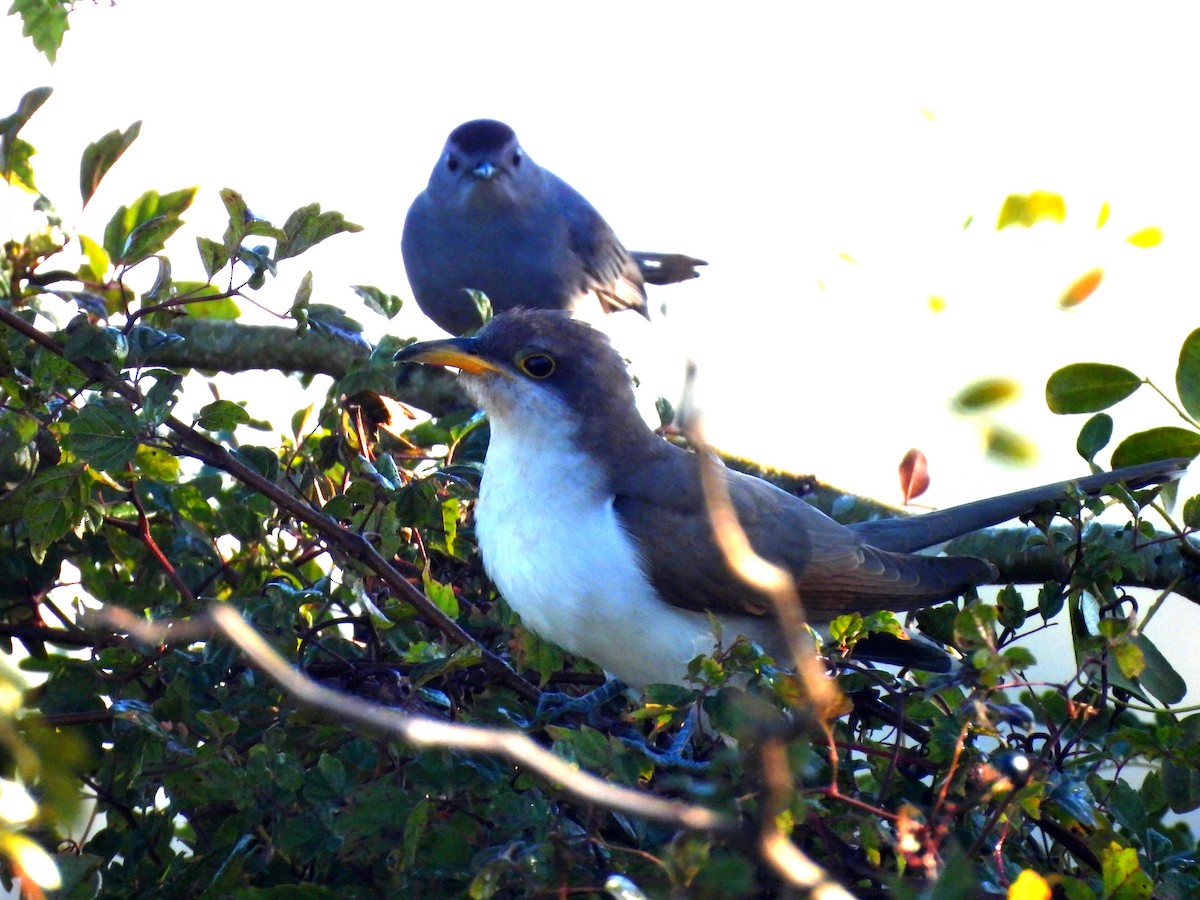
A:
(1082, 288)
(1147, 237)
(914, 474)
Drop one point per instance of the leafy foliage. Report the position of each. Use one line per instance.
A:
(350, 549)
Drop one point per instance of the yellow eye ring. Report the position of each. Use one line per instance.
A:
(537, 364)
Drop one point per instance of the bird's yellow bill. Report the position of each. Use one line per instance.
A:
(461, 353)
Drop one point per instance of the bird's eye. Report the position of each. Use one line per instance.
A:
(517, 157)
(452, 163)
(537, 365)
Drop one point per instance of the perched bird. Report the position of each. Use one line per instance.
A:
(596, 531)
(492, 220)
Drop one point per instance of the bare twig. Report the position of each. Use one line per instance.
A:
(422, 731)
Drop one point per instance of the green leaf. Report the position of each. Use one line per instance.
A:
(222, 415)
(985, 394)
(97, 260)
(45, 22)
(377, 301)
(156, 463)
(141, 230)
(1167, 442)
(98, 343)
(1008, 446)
(18, 170)
(105, 434)
(1094, 436)
(53, 505)
(307, 227)
(100, 156)
(1123, 876)
(224, 308)
(212, 255)
(1089, 387)
(1187, 374)
(1158, 676)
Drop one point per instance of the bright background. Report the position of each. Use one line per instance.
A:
(824, 160)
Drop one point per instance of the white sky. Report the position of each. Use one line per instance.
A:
(774, 140)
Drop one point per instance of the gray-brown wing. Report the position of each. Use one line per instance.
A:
(608, 269)
(835, 572)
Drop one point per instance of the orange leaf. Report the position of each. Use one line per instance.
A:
(1081, 288)
(914, 475)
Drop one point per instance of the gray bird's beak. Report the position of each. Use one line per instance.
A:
(484, 171)
(462, 353)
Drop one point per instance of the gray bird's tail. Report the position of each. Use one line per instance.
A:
(910, 533)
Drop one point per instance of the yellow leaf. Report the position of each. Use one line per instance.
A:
(31, 861)
(1029, 209)
(1029, 886)
(1081, 288)
(1102, 219)
(937, 304)
(929, 114)
(1150, 236)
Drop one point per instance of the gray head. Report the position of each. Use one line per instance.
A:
(482, 161)
(531, 362)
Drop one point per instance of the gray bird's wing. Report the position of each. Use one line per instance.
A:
(662, 508)
(928, 529)
(608, 268)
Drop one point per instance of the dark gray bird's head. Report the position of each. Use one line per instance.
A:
(539, 370)
(483, 162)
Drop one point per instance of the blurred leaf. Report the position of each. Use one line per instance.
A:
(1029, 209)
(985, 394)
(14, 152)
(1167, 442)
(914, 474)
(1089, 387)
(1029, 885)
(220, 308)
(1094, 436)
(1082, 288)
(1187, 374)
(1008, 446)
(97, 260)
(45, 22)
(1102, 218)
(1146, 237)
(100, 156)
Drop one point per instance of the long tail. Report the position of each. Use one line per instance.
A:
(911, 533)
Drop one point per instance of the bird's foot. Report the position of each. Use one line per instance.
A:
(673, 755)
(554, 705)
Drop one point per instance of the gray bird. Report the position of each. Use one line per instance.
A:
(492, 220)
(596, 532)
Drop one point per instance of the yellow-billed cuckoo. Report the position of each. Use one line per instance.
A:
(596, 532)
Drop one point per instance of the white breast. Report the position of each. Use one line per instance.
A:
(554, 546)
